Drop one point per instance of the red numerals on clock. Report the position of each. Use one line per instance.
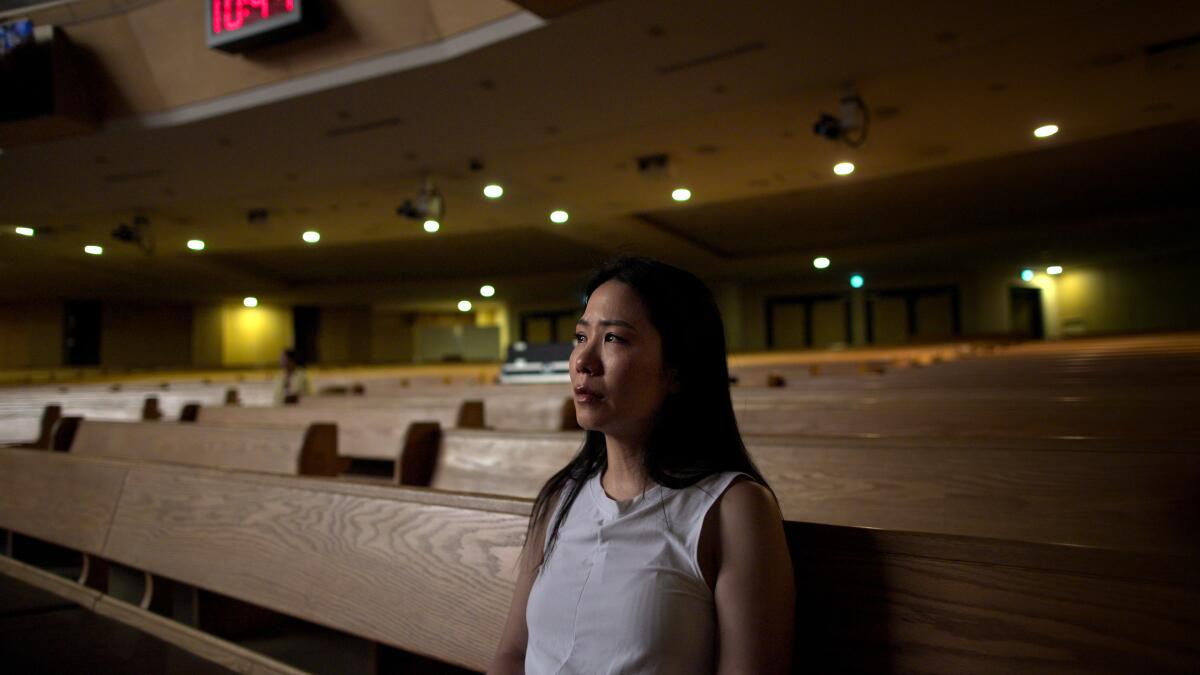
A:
(231, 15)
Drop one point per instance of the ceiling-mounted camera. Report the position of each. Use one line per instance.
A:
(849, 126)
(257, 216)
(427, 205)
(138, 233)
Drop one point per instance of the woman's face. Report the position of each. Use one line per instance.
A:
(617, 371)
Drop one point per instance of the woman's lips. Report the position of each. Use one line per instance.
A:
(585, 395)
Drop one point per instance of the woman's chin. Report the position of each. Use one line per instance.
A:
(588, 420)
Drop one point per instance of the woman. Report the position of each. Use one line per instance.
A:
(659, 548)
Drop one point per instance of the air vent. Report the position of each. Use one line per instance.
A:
(712, 58)
(364, 127)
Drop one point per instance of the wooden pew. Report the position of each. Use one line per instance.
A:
(370, 434)
(505, 408)
(425, 572)
(1087, 493)
(307, 451)
(946, 415)
(432, 573)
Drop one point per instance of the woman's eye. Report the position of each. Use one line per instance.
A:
(579, 338)
(612, 337)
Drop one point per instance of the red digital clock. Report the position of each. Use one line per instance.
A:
(238, 25)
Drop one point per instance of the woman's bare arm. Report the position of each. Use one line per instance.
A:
(754, 589)
(510, 654)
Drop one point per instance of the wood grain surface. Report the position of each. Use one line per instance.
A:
(1145, 501)
(1030, 490)
(362, 433)
(948, 415)
(272, 450)
(49, 496)
(504, 408)
(500, 463)
(432, 573)
(428, 578)
(862, 609)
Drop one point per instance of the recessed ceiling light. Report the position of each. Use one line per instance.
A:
(493, 191)
(487, 290)
(196, 244)
(432, 226)
(1054, 270)
(93, 249)
(464, 305)
(1046, 131)
(23, 231)
(250, 301)
(843, 168)
(559, 216)
(1027, 275)
(821, 262)
(856, 281)
(312, 236)
(681, 194)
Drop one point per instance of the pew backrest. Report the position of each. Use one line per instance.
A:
(309, 450)
(502, 463)
(433, 573)
(418, 570)
(363, 433)
(503, 408)
(1140, 497)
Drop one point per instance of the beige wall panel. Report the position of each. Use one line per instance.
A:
(31, 335)
(829, 324)
(115, 67)
(458, 16)
(345, 335)
(143, 336)
(1137, 296)
(255, 337)
(935, 318)
(890, 321)
(207, 331)
(788, 327)
(391, 338)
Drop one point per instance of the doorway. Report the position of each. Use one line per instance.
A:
(1025, 315)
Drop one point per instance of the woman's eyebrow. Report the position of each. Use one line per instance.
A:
(608, 322)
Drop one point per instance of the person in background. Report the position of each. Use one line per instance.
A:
(659, 548)
(293, 382)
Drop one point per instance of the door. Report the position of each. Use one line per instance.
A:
(1025, 315)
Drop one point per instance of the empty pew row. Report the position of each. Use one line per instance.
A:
(1086, 493)
(432, 573)
(1092, 493)
(21, 420)
(1136, 360)
(968, 417)
(369, 434)
(506, 408)
(20, 409)
(299, 451)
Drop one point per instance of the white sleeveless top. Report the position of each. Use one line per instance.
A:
(622, 591)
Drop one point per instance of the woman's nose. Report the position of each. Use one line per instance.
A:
(585, 359)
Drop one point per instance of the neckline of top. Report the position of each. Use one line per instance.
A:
(612, 507)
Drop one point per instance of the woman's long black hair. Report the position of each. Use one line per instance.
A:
(695, 434)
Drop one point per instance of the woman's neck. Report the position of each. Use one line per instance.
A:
(625, 476)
